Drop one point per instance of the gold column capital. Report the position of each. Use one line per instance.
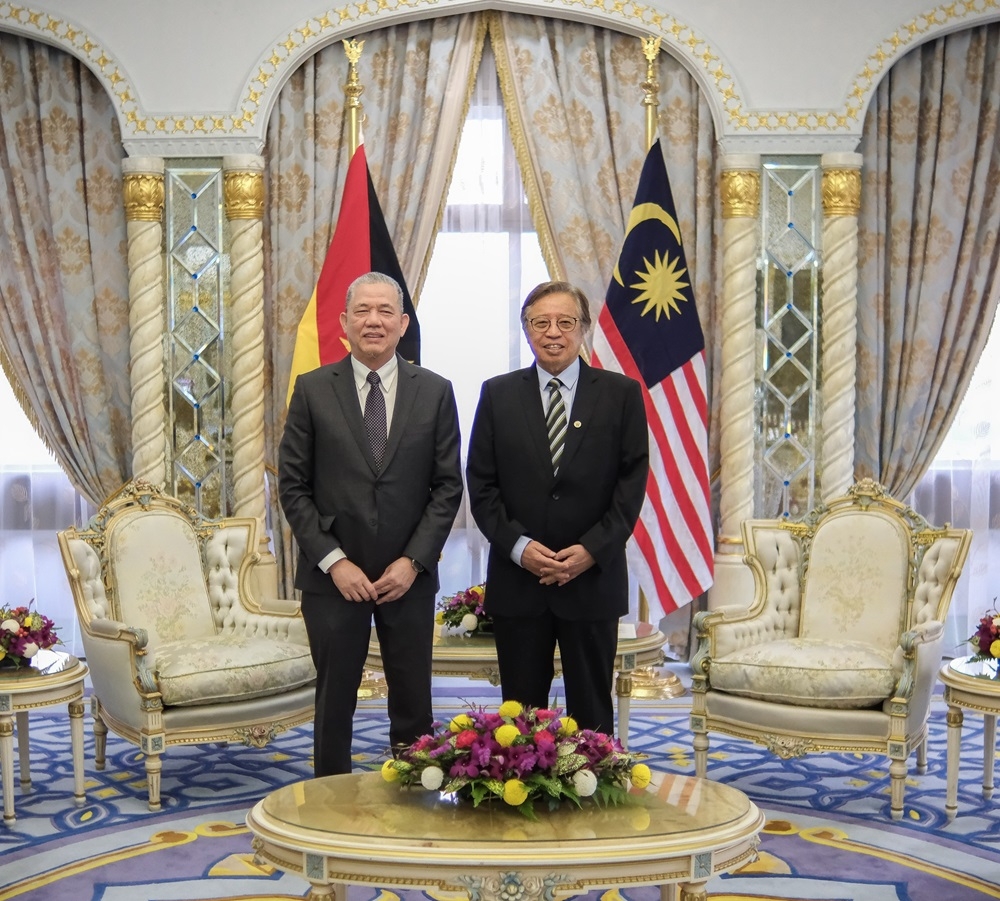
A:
(841, 192)
(243, 192)
(144, 196)
(740, 191)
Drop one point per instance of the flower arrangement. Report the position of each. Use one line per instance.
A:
(23, 633)
(986, 638)
(523, 755)
(465, 611)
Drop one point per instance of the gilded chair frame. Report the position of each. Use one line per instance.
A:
(127, 697)
(895, 727)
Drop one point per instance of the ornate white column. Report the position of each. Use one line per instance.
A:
(243, 179)
(740, 190)
(841, 203)
(143, 190)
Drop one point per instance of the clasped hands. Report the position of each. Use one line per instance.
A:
(354, 585)
(556, 567)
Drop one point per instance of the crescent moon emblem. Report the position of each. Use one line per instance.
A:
(646, 212)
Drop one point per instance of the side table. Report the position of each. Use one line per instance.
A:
(53, 678)
(972, 685)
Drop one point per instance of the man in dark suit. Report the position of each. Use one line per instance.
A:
(558, 459)
(370, 481)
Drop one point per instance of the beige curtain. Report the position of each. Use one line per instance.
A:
(64, 279)
(574, 102)
(417, 80)
(930, 216)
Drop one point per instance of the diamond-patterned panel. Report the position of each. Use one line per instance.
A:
(791, 228)
(198, 460)
(196, 331)
(197, 381)
(197, 273)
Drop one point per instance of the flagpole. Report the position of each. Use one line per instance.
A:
(651, 101)
(646, 681)
(651, 87)
(372, 684)
(354, 89)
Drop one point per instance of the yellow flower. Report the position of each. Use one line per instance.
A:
(995, 648)
(510, 708)
(3, 653)
(389, 771)
(515, 792)
(439, 617)
(569, 726)
(461, 722)
(640, 775)
(506, 734)
(477, 590)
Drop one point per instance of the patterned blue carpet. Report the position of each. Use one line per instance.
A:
(828, 836)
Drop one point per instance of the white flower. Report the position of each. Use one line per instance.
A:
(432, 778)
(585, 783)
(469, 622)
(30, 649)
(10, 625)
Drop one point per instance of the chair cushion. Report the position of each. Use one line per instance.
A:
(808, 672)
(228, 668)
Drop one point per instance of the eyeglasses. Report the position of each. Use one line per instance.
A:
(563, 323)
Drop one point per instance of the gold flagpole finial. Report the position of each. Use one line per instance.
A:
(353, 90)
(650, 87)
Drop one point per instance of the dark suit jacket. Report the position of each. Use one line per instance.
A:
(332, 494)
(594, 501)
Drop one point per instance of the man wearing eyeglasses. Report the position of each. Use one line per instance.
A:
(558, 459)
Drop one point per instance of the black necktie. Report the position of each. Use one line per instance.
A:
(375, 427)
(555, 423)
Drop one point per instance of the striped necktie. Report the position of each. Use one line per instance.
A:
(555, 423)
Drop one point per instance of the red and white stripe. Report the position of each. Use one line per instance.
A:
(673, 536)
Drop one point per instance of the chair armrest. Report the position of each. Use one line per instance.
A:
(280, 607)
(108, 628)
(917, 660)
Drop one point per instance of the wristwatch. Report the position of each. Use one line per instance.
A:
(416, 564)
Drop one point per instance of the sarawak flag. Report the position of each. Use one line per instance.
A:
(649, 330)
(360, 244)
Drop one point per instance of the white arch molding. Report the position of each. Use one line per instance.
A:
(297, 29)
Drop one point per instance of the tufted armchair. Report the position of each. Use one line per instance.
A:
(178, 649)
(839, 650)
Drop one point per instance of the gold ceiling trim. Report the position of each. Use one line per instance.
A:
(359, 15)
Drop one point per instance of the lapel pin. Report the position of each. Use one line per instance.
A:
(577, 424)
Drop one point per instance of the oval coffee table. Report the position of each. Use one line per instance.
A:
(358, 829)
